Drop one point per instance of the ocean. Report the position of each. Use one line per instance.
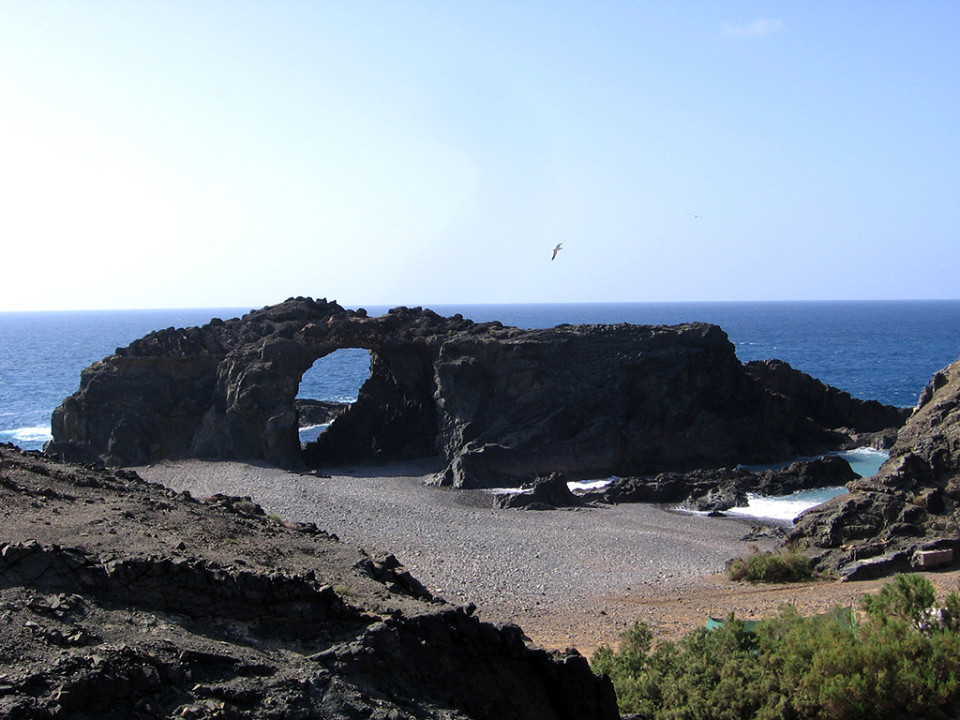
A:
(880, 350)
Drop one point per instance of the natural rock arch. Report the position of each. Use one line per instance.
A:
(227, 390)
(499, 405)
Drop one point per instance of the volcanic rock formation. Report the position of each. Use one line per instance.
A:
(123, 599)
(907, 516)
(719, 489)
(500, 405)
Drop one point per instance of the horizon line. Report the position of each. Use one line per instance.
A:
(427, 305)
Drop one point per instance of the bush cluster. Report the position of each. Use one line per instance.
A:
(771, 567)
(899, 658)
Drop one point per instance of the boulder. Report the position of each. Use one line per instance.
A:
(826, 471)
(547, 493)
(690, 489)
(717, 500)
(317, 412)
(721, 489)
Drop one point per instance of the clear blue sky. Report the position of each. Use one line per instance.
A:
(223, 154)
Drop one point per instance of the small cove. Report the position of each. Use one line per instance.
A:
(865, 462)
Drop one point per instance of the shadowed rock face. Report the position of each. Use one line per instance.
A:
(500, 405)
(227, 390)
(906, 513)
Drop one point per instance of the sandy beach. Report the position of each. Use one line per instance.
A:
(567, 577)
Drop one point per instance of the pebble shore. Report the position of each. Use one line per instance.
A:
(567, 577)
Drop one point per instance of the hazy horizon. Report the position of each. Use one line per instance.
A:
(427, 305)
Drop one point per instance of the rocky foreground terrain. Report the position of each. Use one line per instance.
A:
(123, 599)
(907, 516)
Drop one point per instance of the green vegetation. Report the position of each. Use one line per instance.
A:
(771, 567)
(901, 659)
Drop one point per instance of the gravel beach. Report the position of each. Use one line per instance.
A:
(567, 577)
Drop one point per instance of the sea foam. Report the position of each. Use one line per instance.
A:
(28, 438)
(785, 507)
(865, 461)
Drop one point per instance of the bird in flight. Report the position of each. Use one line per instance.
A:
(557, 249)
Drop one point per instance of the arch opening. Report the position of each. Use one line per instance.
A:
(393, 416)
(328, 389)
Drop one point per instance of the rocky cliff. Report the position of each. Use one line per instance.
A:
(121, 599)
(908, 515)
(500, 405)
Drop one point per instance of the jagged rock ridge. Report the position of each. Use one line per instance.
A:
(906, 516)
(501, 405)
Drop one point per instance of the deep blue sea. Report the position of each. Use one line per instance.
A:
(883, 350)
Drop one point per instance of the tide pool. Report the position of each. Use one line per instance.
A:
(786, 508)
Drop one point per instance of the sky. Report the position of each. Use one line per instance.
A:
(233, 154)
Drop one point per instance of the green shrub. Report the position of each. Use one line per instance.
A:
(826, 667)
(908, 597)
(771, 567)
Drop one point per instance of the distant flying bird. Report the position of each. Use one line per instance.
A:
(695, 217)
(557, 249)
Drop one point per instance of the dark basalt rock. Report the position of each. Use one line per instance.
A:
(805, 396)
(827, 471)
(547, 493)
(264, 621)
(273, 605)
(721, 489)
(677, 488)
(317, 412)
(895, 519)
(500, 405)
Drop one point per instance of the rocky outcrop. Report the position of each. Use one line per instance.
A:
(716, 490)
(228, 389)
(720, 487)
(827, 471)
(905, 516)
(805, 396)
(547, 493)
(317, 412)
(500, 405)
(142, 603)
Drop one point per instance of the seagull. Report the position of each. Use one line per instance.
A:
(557, 249)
